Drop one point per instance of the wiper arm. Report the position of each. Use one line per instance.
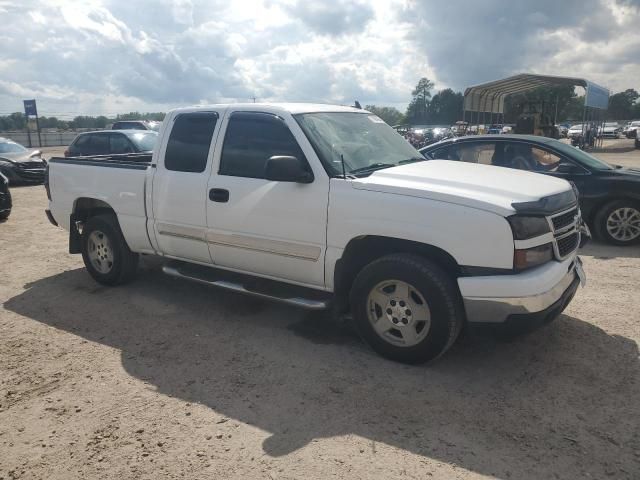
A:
(373, 167)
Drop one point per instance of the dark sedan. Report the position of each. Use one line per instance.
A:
(110, 142)
(609, 194)
(5, 198)
(20, 165)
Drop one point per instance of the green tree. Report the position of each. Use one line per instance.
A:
(391, 115)
(621, 105)
(445, 107)
(101, 121)
(417, 111)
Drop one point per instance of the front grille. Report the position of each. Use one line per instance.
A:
(564, 219)
(30, 165)
(566, 235)
(568, 244)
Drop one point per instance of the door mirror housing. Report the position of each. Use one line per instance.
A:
(283, 168)
(570, 169)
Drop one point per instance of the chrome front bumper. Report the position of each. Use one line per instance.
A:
(497, 310)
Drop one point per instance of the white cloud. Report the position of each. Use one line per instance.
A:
(103, 56)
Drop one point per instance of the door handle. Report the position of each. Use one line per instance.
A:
(219, 195)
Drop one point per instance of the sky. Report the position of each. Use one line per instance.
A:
(102, 57)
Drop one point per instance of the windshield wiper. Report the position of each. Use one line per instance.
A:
(412, 160)
(373, 167)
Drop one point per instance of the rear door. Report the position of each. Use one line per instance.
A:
(270, 228)
(180, 185)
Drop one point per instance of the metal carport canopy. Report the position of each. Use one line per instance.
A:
(489, 97)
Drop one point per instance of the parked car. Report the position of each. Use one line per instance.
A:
(108, 142)
(19, 164)
(136, 125)
(609, 194)
(562, 130)
(313, 205)
(5, 198)
(631, 129)
(575, 130)
(637, 141)
(610, 130)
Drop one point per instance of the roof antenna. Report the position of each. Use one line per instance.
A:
(357, 105)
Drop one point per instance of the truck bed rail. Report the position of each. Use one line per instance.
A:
(136, 161)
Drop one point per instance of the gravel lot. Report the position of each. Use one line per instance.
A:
(168, 379)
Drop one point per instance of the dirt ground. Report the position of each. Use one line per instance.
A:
(168, 379)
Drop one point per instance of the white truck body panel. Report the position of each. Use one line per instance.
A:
(275, 229)
(469, 184)
(296, 232)
(122, 189)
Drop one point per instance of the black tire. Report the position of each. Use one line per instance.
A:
(4, 216)
(123, 262)
(602, 216)
(435, 286)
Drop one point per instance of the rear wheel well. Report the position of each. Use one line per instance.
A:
(83, 209)
(361, 251)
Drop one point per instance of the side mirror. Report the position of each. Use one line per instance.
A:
(569, 168)
(282, 168)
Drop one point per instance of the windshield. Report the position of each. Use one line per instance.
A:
(144, 141)
(11, 147)
(582, 157)
(364, 141)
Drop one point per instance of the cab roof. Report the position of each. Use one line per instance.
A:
(292, 108)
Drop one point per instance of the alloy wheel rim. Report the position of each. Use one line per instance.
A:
(398, 313)
(623, 224)
(100, 251)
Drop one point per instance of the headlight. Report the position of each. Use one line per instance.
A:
(528, 227)
(532, 257)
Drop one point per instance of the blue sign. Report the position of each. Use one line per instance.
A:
(30, 108)
(597, 96)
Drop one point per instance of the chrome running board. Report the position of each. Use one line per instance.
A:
(258, 287)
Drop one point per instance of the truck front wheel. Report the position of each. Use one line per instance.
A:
(105, 252)
(406, 308)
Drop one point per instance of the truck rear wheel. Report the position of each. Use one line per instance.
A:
(406, 308)
(105, 252)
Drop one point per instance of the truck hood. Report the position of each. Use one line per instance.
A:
(478, 186)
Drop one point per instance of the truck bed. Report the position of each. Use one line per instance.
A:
(119, 181)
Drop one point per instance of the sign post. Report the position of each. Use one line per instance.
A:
(31, 110)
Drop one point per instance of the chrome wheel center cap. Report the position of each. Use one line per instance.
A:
(398, 312)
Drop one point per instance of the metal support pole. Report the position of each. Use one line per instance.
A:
(38, 127)
(28, 131)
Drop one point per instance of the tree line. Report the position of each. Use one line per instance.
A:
(18, 121)
(443, 107)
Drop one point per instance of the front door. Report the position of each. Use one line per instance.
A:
(180, 186)
(269, 228)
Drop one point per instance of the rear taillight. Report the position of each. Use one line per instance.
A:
(46, 181)
(66, 153)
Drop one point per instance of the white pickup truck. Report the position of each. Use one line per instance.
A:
(318, 205)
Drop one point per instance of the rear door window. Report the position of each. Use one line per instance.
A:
(81, 145)
(189, 142)
(120, 144)
(99, 145)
